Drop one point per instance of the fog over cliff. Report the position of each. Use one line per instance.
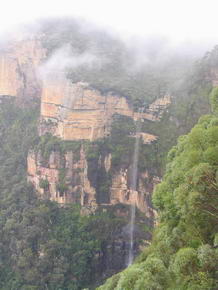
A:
(184, 20)
(62, 59)
(187, 26)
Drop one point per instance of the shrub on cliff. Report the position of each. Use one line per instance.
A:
(214, 100)
(184, 243)
(43, 245)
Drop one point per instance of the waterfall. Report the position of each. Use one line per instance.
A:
(133, 185)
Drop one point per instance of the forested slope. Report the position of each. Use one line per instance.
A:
(43, 245)
(46, 246)
(183, 253)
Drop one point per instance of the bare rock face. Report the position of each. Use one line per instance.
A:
(18, 69)
(82, 180)
(121, 192)
(73, 188)
(146, 137)
(72, 111)
(76, 111)
(79, 112)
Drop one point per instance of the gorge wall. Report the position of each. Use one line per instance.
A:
(19, 60)
(76, 112)
(78, 137)
(71, 177)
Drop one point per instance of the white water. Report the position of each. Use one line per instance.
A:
(134, 188)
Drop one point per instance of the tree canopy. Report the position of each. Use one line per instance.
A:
(183, 253)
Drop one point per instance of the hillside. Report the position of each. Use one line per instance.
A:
(74, 102)
(183, 253)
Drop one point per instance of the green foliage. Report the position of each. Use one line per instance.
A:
(93, 150)
(120, 145)
(150, 274)
(214, 100)
(182, 254)
(62, 188)
(61, 185)
(185, 262)
(43, 183)
(117, 69)
(121, 73)
(121, 142)
(111, 283)
(43, 245)
(49, 143)
(188, 104)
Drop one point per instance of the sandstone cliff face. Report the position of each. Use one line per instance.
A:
(79, 112)
(121, 191)
(18, 65)
(78, 188)
(73, 112)
(82, 181)
(76, 111)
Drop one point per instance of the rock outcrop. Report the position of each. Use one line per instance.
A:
(146, 137)
(79, 112)
(76, 111)
(121, 191)
(18, 69)
(82, 180)
(76, 187)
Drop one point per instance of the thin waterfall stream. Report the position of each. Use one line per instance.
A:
(134, 186)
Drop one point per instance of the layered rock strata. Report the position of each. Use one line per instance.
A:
(72, 112)
(82, 181)
(19, 61)
(79, 112)
(76, 111)
(78, 187)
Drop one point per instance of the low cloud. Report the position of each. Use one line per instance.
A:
(64, 59)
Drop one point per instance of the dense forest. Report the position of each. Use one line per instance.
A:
(117, 67)
(110, 64)
(48, 246)
(43, 245)
(183, 253)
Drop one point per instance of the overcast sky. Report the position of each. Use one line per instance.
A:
(189, 21)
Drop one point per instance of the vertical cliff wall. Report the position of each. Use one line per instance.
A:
(19, 61)
(77, 111)
(74, 185)
(70, 178)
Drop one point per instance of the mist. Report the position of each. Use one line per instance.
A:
(64, 58)
(189, 26)
(109, 45)
(135, 53)
(82, 51)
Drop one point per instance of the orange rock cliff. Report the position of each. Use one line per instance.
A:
(74, 112)
(19, 61)
(79, 112)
